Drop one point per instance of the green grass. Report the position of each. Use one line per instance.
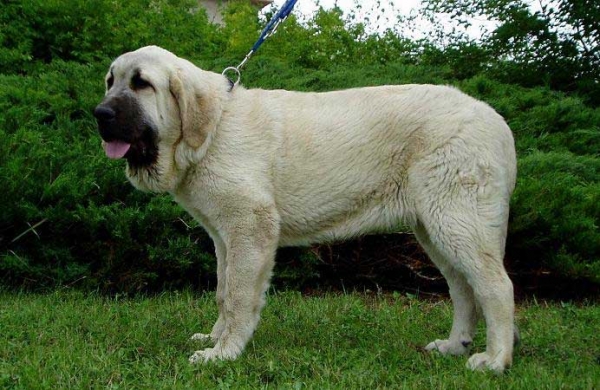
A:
(355, 341)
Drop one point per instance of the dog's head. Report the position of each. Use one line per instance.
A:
(159, 113)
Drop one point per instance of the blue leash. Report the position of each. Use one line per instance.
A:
(269, 30)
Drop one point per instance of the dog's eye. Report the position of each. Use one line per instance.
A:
(109, 82)
(137, 82)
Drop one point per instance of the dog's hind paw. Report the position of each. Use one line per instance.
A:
(198, 357)
(212, 354)
(448, 347)
(483, 361)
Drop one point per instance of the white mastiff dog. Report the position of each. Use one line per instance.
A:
(263, 169)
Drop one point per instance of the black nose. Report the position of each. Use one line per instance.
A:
(104, 114)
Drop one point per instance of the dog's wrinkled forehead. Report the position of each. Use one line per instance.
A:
(149, 61)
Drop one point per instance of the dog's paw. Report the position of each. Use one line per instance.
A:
(213, 354)
(449, 347)
(483, 361)
(202, 337)
(199, 357)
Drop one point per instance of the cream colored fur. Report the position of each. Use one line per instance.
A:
(263, 169)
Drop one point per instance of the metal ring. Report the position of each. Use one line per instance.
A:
(237, 72)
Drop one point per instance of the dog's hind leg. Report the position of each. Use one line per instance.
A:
(462, 208)
(476, 272)
(465, 313)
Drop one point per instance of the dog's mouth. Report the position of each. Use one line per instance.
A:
(140, 151)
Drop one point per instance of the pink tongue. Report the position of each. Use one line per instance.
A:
(116, 149)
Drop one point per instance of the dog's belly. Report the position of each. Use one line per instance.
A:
(376, 220)
(344, 215)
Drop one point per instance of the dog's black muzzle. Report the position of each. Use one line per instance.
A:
(120, 118)
(106, 117)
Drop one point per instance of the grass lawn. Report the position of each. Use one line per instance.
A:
(354, 341)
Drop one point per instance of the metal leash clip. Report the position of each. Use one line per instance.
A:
(235, 69)
(269, 30)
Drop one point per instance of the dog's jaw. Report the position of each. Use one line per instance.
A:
(157, 177)
(169, 169)
(143, 153)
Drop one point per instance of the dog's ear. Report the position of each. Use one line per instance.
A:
(198, 109)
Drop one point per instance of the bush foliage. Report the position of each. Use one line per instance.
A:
(70, 217)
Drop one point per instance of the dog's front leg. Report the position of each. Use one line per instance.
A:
(217, 330)
(250, 259)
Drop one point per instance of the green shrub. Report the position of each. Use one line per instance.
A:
(555, 214)
(34, 32)
(70, 217)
